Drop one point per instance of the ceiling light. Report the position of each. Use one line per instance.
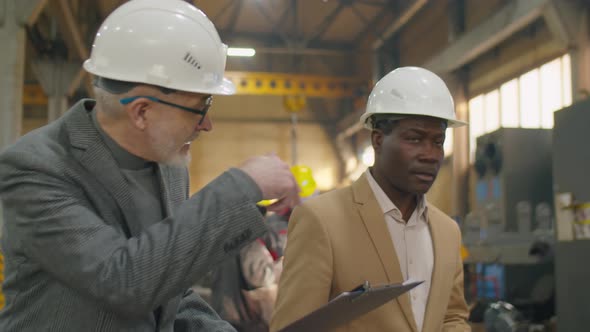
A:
(238, 51)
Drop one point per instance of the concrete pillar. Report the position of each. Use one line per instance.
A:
(12, 67)
(580, 60)
(56, 77)
(460, 159)
(457, 83)
(569, 24)
(14, 16)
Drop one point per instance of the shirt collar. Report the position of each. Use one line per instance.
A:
(388, 207)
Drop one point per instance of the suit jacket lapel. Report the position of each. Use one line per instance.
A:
(167, 181)
(164, 177)
(372, 217)
(433, 305)
(95, 156)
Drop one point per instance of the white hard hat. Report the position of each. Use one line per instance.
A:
(411, 91)
(169, 43)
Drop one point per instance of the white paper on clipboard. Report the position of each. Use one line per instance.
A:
(348, 306)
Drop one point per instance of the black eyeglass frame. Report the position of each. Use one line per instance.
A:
(203, 111)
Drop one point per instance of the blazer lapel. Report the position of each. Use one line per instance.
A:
(372, 217)
(167, 181)
(97, 159)
(164, 177)
(432, 305)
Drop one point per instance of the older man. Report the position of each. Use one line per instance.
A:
(381, 229)
(99, 232)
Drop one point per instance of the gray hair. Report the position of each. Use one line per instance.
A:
(107, 102)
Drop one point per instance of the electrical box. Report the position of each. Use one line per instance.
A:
(513, 189)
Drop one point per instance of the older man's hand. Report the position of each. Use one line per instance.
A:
(275, 180)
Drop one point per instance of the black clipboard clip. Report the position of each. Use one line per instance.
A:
(363, 289)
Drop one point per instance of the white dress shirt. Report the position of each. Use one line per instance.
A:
(413, 246)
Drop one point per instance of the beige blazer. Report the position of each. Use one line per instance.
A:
(340, 239)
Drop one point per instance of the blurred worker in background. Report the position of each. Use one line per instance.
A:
(99, 231)
(244, 288)
(381, 229)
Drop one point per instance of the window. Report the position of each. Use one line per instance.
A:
(509, 104)
(527, 101)
(530, 112)
(492, 111)
(551, 92)
(476, 122)
(566, 71)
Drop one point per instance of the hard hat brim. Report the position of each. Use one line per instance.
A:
(451, 123)
(226, 87)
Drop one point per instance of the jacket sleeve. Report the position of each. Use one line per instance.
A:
(457, 311)
(306, 280)
(57, 228)
(194, 314)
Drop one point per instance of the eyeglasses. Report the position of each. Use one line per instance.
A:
(203, 111)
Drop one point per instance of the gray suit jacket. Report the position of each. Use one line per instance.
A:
(77, 260)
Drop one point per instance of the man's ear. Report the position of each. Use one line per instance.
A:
(377, 139)
(137, 112)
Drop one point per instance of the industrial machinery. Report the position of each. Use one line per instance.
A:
(571, 162)
(509, 231)
(513, 189)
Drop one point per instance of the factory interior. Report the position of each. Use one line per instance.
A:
(512, 179)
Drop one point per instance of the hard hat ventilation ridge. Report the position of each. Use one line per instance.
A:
(192, 61)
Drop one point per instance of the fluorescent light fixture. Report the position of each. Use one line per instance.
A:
(238, 51)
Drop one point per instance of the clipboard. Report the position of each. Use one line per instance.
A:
(349, 305)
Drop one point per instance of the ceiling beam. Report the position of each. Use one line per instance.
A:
(304, 51)
(267, 16)
(371, 26)
(70, 30)
(34, 12)
(295, 17)
(358, 14)
(224, 10)
(326, 23)
(563, 18)
(270, 40)
(404, 18)
(282, 19)
(511, 18)
(234, 16)
(372, 3)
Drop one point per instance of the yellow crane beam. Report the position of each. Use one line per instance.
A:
(259, 83)
(252, 83)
